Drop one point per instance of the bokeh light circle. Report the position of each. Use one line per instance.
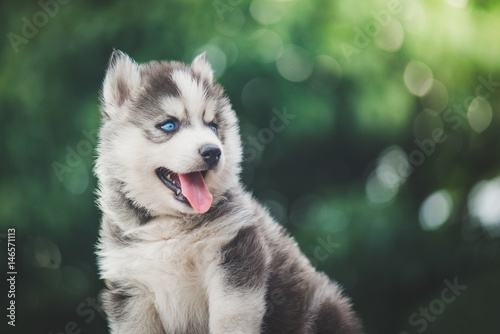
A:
(295, 64)
(418, 78)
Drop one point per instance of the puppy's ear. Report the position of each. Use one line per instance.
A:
(123, 77)
(201, 66)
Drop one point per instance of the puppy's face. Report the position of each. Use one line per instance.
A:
(169, 136)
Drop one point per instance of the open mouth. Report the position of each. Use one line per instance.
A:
(188, 188)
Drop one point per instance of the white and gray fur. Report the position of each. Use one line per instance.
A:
(168, 269)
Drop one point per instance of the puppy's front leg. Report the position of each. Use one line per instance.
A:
(130, 310)
(237, 285)
(236, 312)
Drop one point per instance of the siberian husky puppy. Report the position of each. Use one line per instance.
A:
(183, 248)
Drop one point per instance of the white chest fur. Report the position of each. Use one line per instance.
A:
(171, 269)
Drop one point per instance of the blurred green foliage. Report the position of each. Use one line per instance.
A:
(356, 173)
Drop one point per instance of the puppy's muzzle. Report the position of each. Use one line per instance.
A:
(211, 155)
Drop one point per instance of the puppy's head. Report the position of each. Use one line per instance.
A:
(169, 138)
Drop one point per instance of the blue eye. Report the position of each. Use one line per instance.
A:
(213, 128)
(169, 126)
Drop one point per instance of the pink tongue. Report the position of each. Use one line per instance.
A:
(194, 189)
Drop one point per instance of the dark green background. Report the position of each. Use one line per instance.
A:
(317, 175)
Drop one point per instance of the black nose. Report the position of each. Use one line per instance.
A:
(211, 155)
